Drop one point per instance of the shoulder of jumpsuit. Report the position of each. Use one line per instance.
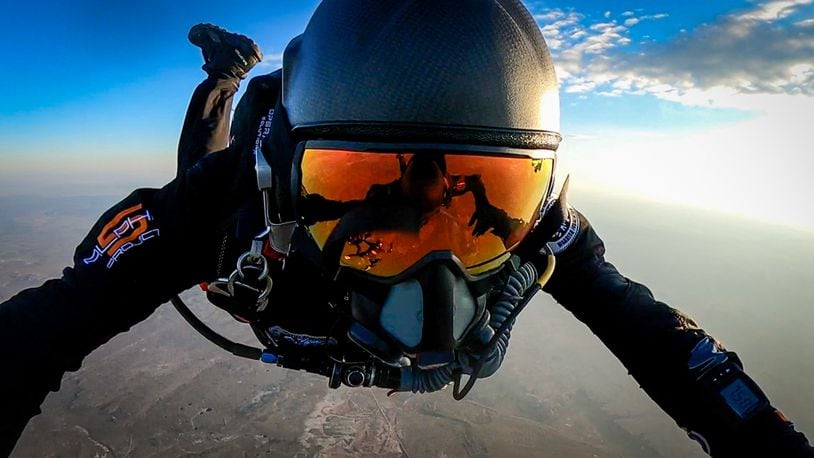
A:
(262, 95)
(269, 83)
(561, 225)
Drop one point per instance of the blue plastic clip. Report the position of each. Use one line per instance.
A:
(269, 358)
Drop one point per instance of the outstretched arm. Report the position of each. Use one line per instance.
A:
(147, 248)
(681, 367)
(486, 217)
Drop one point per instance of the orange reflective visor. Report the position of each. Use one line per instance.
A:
(381, 212)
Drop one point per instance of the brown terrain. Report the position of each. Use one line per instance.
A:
(163, 390)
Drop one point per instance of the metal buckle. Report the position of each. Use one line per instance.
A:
(252, 269)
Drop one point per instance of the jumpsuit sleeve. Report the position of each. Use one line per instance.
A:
(46, 331)
(141, 252)
(654, 341)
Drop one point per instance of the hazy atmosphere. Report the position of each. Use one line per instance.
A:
(686, 135)
(164, 390)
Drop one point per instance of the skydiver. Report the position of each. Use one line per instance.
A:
(476, 83)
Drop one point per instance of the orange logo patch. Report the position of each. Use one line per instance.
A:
(128, 229)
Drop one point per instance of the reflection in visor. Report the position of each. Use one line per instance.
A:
(383, 212)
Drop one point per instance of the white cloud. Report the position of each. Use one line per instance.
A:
(715, 64)
(580, 86)
(558, 27)
(772, 10)
(549, 16)
(602, 26)
(271, 61)
(631, 21)
(760, 60)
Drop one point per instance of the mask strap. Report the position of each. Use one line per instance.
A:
(279, 234)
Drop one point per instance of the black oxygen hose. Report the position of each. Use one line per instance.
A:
(324, 366)
(459, 394)
(500, 338)
(426, 380)
(232, 347)
(518, 291)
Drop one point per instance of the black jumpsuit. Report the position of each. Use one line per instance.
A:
(124, 270)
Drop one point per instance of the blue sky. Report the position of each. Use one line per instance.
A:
(654, 94)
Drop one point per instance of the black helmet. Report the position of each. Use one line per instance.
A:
(471, 71)
(413, 147)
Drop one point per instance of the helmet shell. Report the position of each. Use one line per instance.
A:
(473, 71)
